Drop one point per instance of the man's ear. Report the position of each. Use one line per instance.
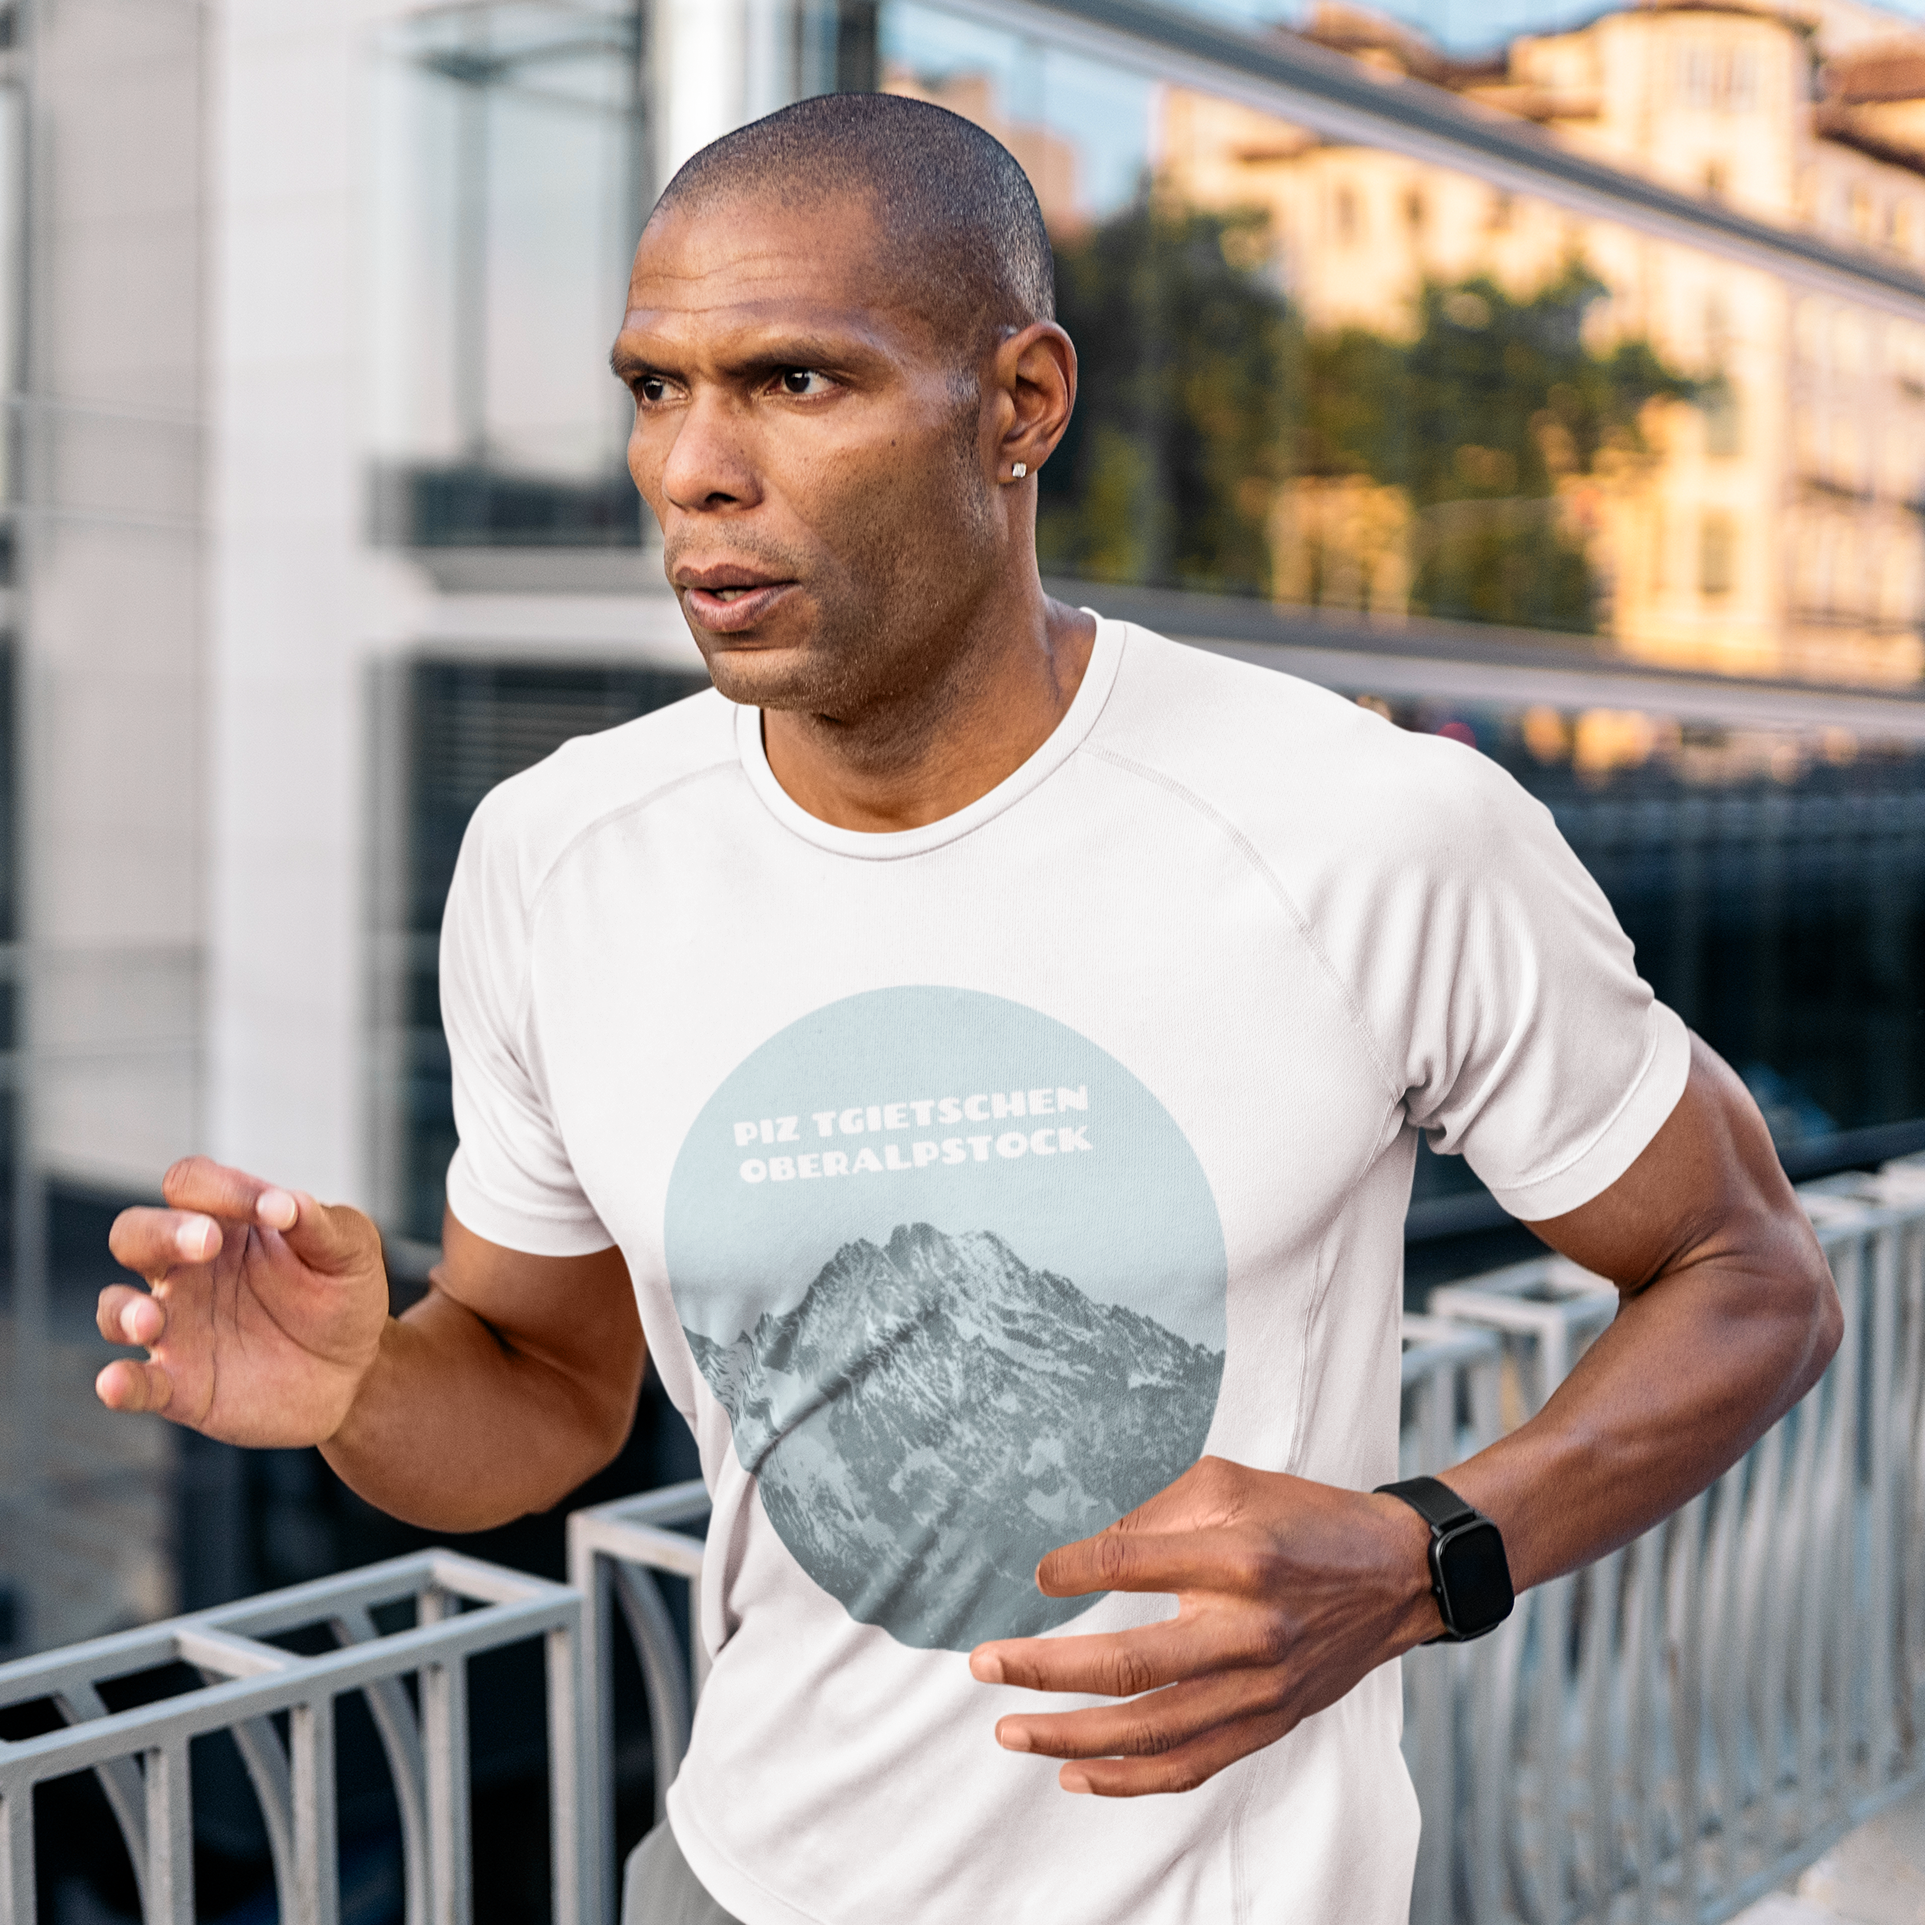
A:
(1032, 388)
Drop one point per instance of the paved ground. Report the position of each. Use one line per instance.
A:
(1875, 1877)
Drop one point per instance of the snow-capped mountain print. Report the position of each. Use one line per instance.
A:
(934, 1415)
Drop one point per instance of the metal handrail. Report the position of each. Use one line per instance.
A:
(141, 1755)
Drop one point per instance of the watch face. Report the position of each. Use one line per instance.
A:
(1474, 1576)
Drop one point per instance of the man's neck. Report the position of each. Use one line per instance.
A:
(913, 760)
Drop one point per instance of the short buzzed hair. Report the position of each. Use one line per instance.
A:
(956, 212)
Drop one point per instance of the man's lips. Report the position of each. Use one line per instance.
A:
(727, 609)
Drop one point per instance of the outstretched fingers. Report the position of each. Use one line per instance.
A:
(325, 1239)
(129, 1386)
(200, 1184)
(1173, 1561)
(127, 1315)
(204, 1192)
(153, 1242)
(1153, 1726)
(1111, 1664)
(1181, 1768)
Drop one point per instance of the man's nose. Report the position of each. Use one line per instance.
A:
(708, 463)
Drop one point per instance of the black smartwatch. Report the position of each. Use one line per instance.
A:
(1470, 1575)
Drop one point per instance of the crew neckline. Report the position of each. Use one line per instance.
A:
(886, 845)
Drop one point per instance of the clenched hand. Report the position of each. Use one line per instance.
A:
(1288, 1593)
(263, 1312)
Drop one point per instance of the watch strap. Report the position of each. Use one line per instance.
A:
(1437, 1504)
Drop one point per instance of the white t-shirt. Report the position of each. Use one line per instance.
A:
(977, 1179)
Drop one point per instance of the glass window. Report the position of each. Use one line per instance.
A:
(509, 194)
(1386, 398)
(1717, 555)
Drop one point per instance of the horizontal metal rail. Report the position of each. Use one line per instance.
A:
(1345, 100)
(140, 1755)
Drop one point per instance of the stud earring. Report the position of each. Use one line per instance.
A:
(1018, 470)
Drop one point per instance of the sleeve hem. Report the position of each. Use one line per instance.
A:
(577, 1234)
(1643, 1112)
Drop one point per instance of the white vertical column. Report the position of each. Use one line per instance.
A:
(287, 910)
(699, 78)
(717, 64)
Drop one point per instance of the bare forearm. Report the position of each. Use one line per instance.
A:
(455, 1431)
(1693, 1371)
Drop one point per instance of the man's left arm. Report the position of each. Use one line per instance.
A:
(1289, 1592)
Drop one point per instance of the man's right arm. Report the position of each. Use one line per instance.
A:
(265, 1322)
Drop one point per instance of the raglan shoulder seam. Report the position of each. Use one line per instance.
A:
(636, 805)
(1254, 857)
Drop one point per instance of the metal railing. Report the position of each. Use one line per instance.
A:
(1664, 1736)
(1672, 1732)
(140, 1755)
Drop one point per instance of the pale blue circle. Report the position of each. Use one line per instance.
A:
(939, 1371)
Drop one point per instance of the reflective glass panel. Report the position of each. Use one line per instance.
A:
(509, 195)
(1410, 416)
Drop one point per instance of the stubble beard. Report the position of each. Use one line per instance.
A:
(882, 639)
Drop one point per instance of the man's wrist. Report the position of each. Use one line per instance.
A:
(355, 1417)
(1469, 1565)
(1417, 1619)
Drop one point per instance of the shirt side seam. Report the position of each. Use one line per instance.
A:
(1252, 855)
(1326, 1275)
(733, 1863)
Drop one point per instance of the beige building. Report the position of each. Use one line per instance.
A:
(1778, 529)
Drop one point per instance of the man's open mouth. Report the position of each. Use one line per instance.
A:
(728, 604)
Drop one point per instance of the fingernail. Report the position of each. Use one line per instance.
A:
(192, 1240)
(277, 1210)
(986, 1668)
(1012, 1737)
(131, 1321)
(1073, 1781)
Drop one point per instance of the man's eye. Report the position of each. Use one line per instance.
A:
(803, 381)
(651, 387)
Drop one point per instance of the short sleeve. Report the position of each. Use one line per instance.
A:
(511, 1180)
(1523, 1035)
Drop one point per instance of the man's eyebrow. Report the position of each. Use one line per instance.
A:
(774, 350)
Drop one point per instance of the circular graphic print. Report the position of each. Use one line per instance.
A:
(958, 1279)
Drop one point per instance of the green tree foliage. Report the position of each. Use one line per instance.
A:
(1190, 366)
(1478, 419)
(1202, 395)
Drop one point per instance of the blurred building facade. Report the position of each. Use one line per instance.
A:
(1774, 527)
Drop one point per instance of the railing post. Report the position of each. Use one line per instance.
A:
(595, 1687)
(444, 1720)
(1886, 1522)
(16, 1851)
(1841, 1551)
(568, 1796)
(170, 1835)
(317, 1866)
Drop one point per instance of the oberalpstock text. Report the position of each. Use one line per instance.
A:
(1001, 1110)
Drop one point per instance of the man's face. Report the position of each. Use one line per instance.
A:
(811, 450)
